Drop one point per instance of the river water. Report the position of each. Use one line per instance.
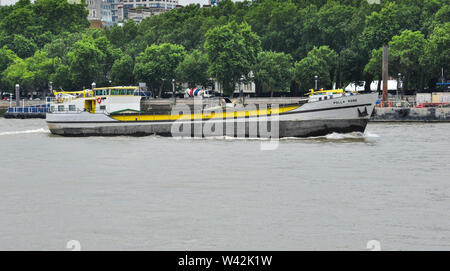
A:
(153, 193)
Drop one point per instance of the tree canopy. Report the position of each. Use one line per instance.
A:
(333, 39)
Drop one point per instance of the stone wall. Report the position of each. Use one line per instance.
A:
(411, 114)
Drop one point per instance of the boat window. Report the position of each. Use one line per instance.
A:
(72, 107)
(115, 92)
(130, 91)
(60, 107)
(123, 92)
(106, 92)
(52, 108)
(102, 107)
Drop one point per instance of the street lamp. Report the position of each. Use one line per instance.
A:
(315, 79)
(173, 92)
(398, 82)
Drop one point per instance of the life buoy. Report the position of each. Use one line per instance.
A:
(99, 100)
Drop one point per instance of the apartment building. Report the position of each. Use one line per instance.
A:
(140, 9)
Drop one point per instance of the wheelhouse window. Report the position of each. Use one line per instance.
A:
(60, 108)
(72, 107)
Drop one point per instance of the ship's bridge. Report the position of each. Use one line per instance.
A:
(104, 100)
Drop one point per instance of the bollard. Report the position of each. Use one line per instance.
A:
(17, 95)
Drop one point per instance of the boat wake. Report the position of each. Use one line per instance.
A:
(331, 137)
(355, 135)
(35, 131)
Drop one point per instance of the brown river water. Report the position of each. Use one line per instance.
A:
(391, 184)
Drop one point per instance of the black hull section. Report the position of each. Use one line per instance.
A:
(286, 128)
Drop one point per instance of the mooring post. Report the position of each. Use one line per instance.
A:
(385, 73)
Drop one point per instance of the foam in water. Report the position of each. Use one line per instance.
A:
(35, 131)
(355, 135)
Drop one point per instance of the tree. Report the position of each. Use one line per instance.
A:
(18, 73)
(283, 28)
(352, 63)
(274, 71)
(373, 67)
(62, 78)
(232, 50)
(437, 51)
(157, 64)
(382, 26)
(7, 57)
(406, 50)
(319, 62)
(337, 25)
(22, 46)
(85, 62)
(122, 71)
(193, 69)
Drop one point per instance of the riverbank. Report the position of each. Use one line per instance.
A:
(411, 114)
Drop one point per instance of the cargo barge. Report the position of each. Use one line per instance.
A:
(116, 111)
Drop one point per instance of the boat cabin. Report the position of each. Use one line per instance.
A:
(105, 100)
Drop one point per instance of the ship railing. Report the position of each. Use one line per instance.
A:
(29, 109)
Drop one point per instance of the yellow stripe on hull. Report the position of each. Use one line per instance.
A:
(205, 115)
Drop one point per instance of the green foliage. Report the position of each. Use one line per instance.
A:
(62, 78)
(373, 67)
(406, 50)
(122, 71)
(193, 69)
(22, 46)
(320, 62)
(227, 36)
(157, 64)
(18, 73)
(85, 60)
(232, 50)
(7, 57)
(273, 70)
(437, 50)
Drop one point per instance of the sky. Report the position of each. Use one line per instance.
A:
(181, 2)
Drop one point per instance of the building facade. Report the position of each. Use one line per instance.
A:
(101, 10)
(139, 9)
